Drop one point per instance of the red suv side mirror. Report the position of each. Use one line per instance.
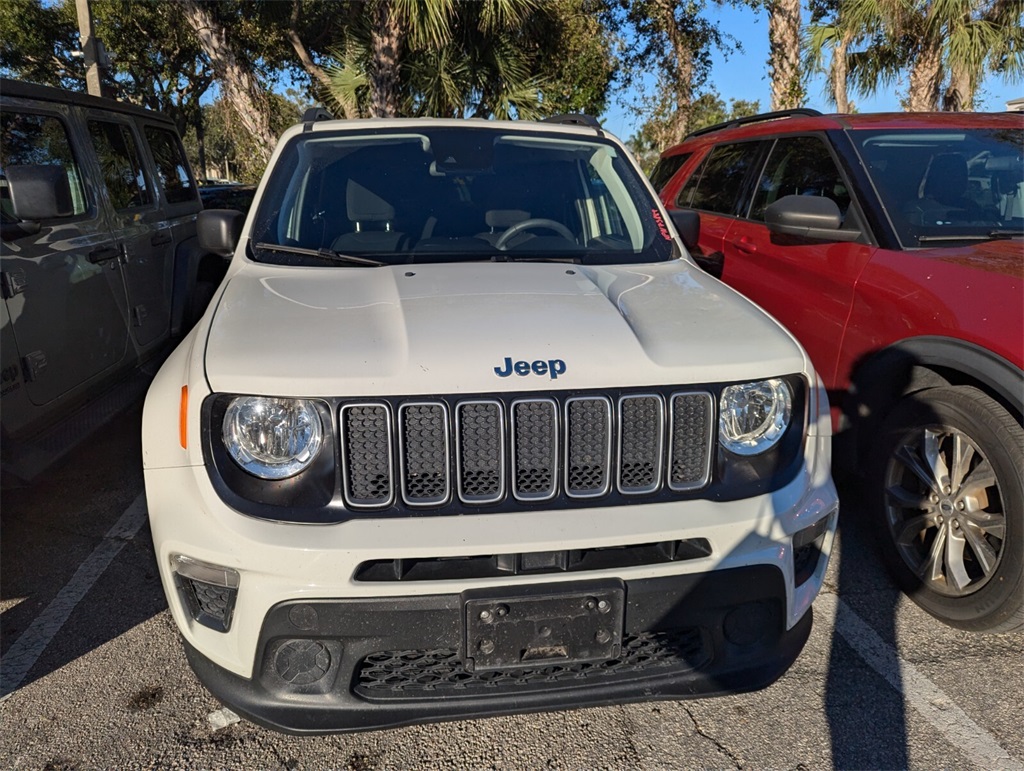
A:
(808, 217)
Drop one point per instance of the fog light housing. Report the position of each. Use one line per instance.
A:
(209, 591)
(807, 545)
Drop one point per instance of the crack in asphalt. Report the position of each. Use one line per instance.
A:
(703, 734)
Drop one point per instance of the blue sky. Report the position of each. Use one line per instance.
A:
(744, 75)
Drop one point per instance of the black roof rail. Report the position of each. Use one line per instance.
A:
(313, 114)
(574, 119)
(764, 116)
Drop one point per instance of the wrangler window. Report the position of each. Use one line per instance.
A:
(27, 139)
(119, 161)
(171, 166)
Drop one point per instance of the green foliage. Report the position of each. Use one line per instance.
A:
(230, 152)
(494, 58)
(36, 42)
(708, 109)
(970, 38)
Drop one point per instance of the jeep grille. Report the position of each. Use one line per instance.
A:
(480, 451)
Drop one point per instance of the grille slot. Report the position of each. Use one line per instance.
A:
(588, 429)
(425, 454)
(480, 441)
(366, 452)
(690, 451)
(534, 449)
(641, 426)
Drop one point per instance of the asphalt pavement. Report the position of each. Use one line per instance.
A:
(92, 672)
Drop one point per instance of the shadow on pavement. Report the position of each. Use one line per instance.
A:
(47, 531)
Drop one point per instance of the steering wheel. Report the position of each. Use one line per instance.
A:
(536, 222)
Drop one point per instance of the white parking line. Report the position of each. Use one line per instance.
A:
(922, 694)
(27, 649)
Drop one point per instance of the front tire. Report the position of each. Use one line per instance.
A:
(948, 484)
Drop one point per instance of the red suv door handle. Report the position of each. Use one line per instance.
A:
(745, 245)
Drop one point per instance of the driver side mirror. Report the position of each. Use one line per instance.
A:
(219, 230)
(687, 222)
(39, 192)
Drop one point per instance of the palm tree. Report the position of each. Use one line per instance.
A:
(235, 74)
(437, 57)
(784, 53)
(945, 47)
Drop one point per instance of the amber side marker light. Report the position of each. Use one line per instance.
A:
(183, 419)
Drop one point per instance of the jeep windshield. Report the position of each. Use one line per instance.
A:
(478, 192)
(947, 187)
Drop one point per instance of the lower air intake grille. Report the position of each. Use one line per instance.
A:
(418, 673)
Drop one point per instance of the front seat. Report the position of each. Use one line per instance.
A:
(500, 220)
(945, 180)
(940, 196)
(372, 218)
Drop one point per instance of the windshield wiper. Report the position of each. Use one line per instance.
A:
(328, 255)
(992, 235)
(535, 258)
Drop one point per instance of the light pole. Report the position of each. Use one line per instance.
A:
(92, 50)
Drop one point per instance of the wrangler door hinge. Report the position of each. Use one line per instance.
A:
(13, 282)
(33, 364)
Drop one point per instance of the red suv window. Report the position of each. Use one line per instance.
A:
(799, 166)
(717, 185)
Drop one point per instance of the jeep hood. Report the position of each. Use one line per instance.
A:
(454, 328)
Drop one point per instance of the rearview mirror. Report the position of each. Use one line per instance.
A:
(808, 217)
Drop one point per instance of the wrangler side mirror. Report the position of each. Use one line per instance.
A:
(39, 192)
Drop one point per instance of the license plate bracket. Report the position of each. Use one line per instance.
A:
(542, 627)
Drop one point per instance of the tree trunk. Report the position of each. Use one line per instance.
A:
(784, 53)
(247, 99)
(201, 142)
(683, 85)
(925, 78)
(386, 49)
(839, 71)
(315, 71)
(959, 96)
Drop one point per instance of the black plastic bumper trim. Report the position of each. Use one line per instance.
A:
(739, 614)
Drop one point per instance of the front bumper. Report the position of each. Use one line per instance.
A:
(325, 666)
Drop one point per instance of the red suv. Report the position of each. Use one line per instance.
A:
(892, 246)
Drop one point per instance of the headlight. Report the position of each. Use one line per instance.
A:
(272, 438)
(754, 416)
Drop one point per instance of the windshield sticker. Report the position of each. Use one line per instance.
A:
(661, 224)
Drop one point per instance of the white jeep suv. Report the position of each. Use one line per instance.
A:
(466, 432)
